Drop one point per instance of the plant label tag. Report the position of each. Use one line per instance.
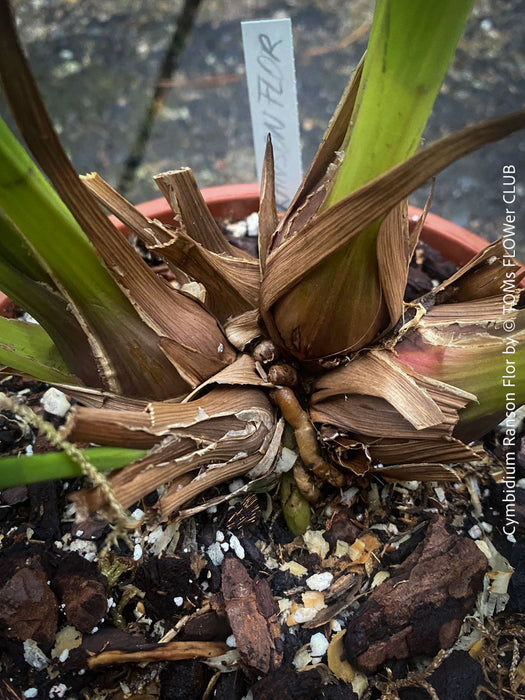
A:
(272, 91)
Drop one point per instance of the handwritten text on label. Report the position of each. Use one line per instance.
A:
(270, 71)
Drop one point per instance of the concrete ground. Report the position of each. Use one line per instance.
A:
(96, 62)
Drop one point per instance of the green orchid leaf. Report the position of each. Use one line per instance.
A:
(28, 349)
(411, 45)
(16, 471)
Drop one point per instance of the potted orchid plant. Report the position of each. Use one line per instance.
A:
(304, 367)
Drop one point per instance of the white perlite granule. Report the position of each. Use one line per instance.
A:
(252, 223)
(85, 548)
(475, 532)
(304, 615)
(235, 485)
(286, 461)
(336, 626)
(33, 655)
(320, 582)
(55, 402)
(237, 546)
(318, 644)
(215, 553)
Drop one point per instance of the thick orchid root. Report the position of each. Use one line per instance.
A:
(306, 482)
(307, 444)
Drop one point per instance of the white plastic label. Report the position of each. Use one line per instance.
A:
(270, 72)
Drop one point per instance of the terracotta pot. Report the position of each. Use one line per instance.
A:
(237, 201)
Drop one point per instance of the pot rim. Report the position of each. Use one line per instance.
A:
(455, 243)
